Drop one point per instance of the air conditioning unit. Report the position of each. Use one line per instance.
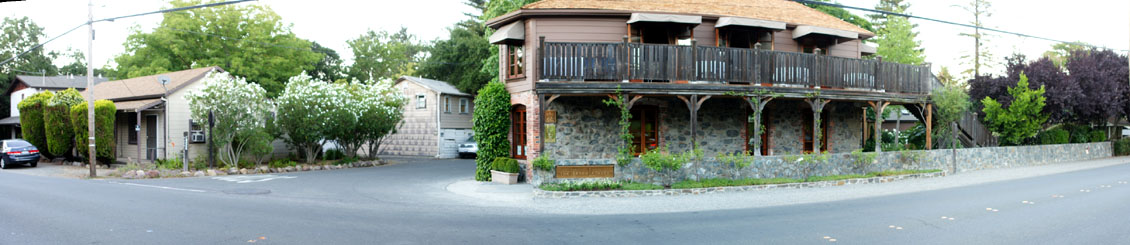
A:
(196, 137)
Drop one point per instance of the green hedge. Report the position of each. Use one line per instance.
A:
(103, 127)
(1079, 133)
(31, 120)
(505, 164)
(1054, 136)
(57, 121)
(1121, 147)
(491, 123)
(1098, 135)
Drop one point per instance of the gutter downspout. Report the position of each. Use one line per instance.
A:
(439, 128)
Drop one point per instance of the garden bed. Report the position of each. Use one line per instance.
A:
(630, 189)
(152, 171)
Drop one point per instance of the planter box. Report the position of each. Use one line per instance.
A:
(503, 177)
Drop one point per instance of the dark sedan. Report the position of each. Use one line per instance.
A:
(18, 152)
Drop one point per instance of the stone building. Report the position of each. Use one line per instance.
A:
(692, 72)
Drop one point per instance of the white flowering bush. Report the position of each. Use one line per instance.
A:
(240, 109)
(303, 113)
(353, 115)
(381, 109)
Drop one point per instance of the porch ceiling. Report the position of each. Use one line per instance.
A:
(136, 105)
(577, 88)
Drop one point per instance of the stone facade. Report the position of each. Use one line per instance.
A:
(539, 193)
(963, 160)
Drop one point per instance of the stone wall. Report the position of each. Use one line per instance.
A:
(970, 159)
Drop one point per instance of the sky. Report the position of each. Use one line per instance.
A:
(332, 22)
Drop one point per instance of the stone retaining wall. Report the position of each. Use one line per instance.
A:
(969, 159)
(539, 193)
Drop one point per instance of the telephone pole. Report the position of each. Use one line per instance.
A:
(91, 160)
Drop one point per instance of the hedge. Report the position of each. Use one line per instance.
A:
(103, 126)
(57, 123)
(1122, 147)
(505, 164)
(491, 123)
(1054, 136)
(1098, 135)
(31, 119)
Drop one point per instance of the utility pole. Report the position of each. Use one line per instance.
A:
(90, 87)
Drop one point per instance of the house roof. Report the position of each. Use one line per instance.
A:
(436, 85)
(10, 121)
(56, 82)
(135, 105)
(148, 87)
(773, 10)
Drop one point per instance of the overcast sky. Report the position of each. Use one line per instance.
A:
(332, 22)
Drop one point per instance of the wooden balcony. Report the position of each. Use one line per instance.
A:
(563, 61)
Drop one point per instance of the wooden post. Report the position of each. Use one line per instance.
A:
(541, 59)
(757, 103)
(817, 107)
(541, 120)
(929, 125)
(878, 106)
(879, 76)
(624, 60)
(693, 104)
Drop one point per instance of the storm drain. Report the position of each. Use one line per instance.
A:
(248, 191)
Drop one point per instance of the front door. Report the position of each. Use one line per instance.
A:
(150, 137)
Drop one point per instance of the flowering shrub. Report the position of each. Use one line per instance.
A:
(310, 112)
(240, 109)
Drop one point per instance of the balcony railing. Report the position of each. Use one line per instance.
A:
(651, 62)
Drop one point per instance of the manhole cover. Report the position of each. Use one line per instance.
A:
(248, 191)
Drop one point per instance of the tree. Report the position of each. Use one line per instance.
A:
(18, 35)
(947, 79)
(382, 109)
(329, 67)
(31, 119)
(343, 117)
(384, 55)
(302, 114)
(1060, 52)
(491, 122)
(1102, 79)
(1022, 118)
(239, 107)
(843, 15)
(57, 123)
(1062, 92)
(897, 42)
(459, 58)
(952, 102)
(249, 41)
(103, 129)
(491, 9)
(878, 21)
(980, 10)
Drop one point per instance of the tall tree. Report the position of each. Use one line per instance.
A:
(329, 67)
(895, 6)
(981, 56)
(843, 15)
(1060, 52)
(459, 58)
(896, 35)
(250, 41)
(1102, 77)
(16, 36)
(384, 56)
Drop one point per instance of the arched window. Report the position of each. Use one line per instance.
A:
(518, 132)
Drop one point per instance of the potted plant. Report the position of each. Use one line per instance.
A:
(504, 171)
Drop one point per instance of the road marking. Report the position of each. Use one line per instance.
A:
(243, 179)
(162, 187)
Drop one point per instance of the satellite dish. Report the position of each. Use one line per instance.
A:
(163, 79)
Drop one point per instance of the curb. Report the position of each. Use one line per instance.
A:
(539, 193)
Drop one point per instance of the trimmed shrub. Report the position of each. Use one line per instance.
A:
(1054, 136)
(103, 127)
(1098, 135)
(544, 163)
(505, 164)
(31, 120)
(57, 121)
(1121, 147)
(491, 123)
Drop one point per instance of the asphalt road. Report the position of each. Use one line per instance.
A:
(407, 204)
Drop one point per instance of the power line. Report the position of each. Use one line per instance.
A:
(121, 17)
(946, 22)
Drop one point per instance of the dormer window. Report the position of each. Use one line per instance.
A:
(662, 28)
(736, 32)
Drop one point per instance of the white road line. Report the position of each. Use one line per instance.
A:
(162, 187)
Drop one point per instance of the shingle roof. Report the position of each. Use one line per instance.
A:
(775, 10)
(440, 86)
(58, 82)
(148, 86)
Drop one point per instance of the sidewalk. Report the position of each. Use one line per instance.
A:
(57, 169)
(521, 196)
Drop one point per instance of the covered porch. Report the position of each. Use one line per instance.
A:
(139, 130)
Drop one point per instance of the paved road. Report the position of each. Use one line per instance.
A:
(408, 204)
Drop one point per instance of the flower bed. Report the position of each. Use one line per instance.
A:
(153, 172)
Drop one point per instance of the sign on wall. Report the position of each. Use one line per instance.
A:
(586, 171)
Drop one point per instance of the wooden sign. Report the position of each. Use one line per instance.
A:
(550, 116)
(586, 171)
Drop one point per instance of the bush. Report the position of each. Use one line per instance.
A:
(31, 120)
(282, 163)
(170, 163)
(491, 123)
(1054, 136)
(332, 154)
(1098, 135)
(57, 121)
(1121, 147)
(544, 163)
(505, 164)
(347, 160)
(1079, 134)
(103, 127)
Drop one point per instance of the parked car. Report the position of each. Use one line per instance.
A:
(468, 149)
(18, 151)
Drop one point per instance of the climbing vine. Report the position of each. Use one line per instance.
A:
(624, 155)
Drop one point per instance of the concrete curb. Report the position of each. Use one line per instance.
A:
(539, 193)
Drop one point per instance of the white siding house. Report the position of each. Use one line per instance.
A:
(437, 118)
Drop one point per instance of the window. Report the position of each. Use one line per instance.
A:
(811, 49)
(514, 66)
(464, 106)
(421, 101)
(660, 33)
(745, 38)
(644, 128)
(518, 132)
(806, 136)
(446, 104)
(132, 122)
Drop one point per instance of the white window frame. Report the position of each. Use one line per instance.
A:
(446, 104)
(464, 106)
(421, 101)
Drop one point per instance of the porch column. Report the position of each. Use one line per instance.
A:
(693, 104)
(929, 125)
(757, 103)
(817, 104)
(137, 130)
(878, 106)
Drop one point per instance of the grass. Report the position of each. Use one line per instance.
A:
(715, 182)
